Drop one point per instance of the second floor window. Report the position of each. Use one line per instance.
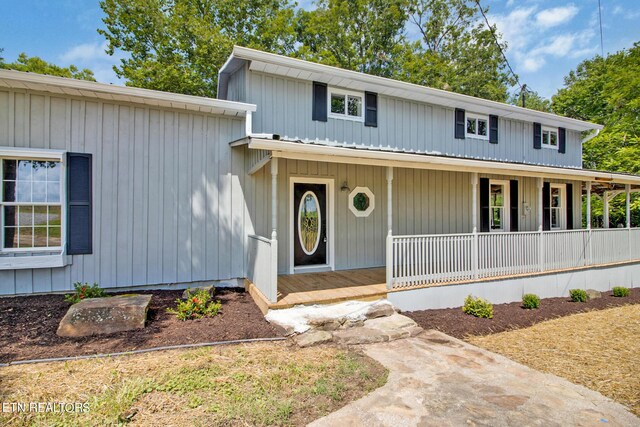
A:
(477, 126)
(550, 138)
(345, 105)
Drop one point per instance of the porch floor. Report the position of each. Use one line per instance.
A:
(331, 286)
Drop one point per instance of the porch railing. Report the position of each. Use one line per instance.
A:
(433, 259)
(262, 265)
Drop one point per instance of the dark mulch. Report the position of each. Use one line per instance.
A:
(453, 321)
(28, 326)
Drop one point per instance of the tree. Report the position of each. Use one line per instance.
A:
(180, 45)
(360, 35)
(607, 91)
(533, 101)
(456, 50)
(37, 65)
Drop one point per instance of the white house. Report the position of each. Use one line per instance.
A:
(308, 183)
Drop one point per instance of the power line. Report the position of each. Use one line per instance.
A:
(495, 38)
(601, 38)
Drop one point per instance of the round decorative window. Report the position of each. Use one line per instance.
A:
(361, 201)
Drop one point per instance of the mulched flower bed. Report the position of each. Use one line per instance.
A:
(454, 322)
(28, 326)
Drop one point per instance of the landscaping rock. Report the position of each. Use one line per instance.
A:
(394, 322)
(379, 310)
(352, 323)
(210, 289)
(355, 336)
(593, 294)
(326, 323)
(313, 337)
(96, 316)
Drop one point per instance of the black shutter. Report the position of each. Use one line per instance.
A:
(514, 199)
(79, 204)
(484, 205)
(371, 109)
(537, 136)
(493, 129)
(569, 206)
(546, 206)
(460, 125)
(562, 140)
(319, 110)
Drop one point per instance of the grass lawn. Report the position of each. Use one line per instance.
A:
(253, 384)
(598, 349)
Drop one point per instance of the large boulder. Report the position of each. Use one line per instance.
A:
(96, 316)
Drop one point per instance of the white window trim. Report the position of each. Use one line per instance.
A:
(506, 220)
(346, 93)
(57, 258)
(549, 129)
(562, 209)
(476, 117)
(372, 202)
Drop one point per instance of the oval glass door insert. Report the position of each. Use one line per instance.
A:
(309, 222)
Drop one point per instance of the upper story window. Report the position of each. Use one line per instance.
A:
(550, 138)
(31, 204)
(477, 126)
(345, 105)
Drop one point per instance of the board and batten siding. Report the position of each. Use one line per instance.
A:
(168, 205)
(284, 108)
(424, 202)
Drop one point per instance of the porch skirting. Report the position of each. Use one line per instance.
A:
(505, 290)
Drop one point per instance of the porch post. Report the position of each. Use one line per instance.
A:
(475, 252)
(389, 263)
(541, 242)
(274, 230)
(590, 261)
(606, 209)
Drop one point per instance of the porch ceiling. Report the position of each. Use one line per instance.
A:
(321, 151)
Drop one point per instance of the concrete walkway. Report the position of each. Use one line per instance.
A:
(437, 380)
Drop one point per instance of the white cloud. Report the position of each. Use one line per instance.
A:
(85, 52)
(556, 16)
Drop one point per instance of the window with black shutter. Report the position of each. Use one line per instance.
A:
(562, 140)
(537, 136)
(79, 204)
(371, 109)
(493, 129)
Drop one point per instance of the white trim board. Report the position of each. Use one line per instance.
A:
(330, 183)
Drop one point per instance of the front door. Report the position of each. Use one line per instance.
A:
(310, 224)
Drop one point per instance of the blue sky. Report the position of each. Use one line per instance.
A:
(546, 38)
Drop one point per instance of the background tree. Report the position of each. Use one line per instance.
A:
(607, 91)
(533, 101)
(456, 50)
(179, 45)
(360, 35)
(35, 64)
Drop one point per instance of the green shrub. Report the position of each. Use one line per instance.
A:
(530, 301)
(478, 307)
(578, 295)
(620, 291)
(84, 291)
(197, 305)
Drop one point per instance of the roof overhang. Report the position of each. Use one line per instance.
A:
(73, 87)
(333, 76)
(319, 152)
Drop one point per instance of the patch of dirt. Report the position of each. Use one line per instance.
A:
(506, 317)
(28, 326)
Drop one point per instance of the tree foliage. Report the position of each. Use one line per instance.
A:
(456, 50)
(607, 91)
(360, 35)
(179, 45)
(533, 101)
(37, 65)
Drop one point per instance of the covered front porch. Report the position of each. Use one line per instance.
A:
(434, 224)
